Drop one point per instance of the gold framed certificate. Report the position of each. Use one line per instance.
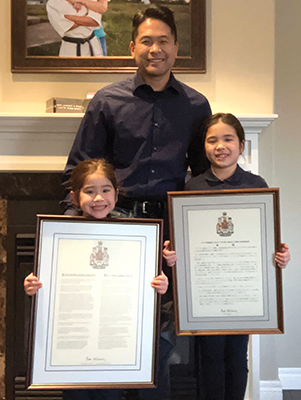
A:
(95, 320)
(225, 279)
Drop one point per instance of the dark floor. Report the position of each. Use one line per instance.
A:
(292, 395)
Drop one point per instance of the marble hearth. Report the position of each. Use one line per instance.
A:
(33, 151)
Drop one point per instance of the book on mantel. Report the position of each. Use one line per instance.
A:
(64, 105)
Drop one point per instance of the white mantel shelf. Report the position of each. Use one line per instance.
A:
(41, 142)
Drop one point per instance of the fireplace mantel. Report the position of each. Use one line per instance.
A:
(41, 142)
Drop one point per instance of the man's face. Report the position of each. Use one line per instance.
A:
(154, 49)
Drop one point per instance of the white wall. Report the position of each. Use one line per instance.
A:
(280, 160)
(240, 64)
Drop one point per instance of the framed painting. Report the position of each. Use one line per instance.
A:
(40, 43)
(95, 320)
(225, 279)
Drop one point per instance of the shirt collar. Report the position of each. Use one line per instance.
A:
(172, 84)
(236, 177)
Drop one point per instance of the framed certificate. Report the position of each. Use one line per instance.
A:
(225, 279)
(95, 320)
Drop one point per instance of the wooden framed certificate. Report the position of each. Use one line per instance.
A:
(95, 320)
(225, 279)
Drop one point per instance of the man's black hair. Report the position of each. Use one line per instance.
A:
(160, 13)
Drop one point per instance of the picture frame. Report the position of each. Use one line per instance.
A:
(225, 279)
(27, 37)
(95, 321)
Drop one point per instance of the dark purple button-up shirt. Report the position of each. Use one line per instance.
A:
(144, 134)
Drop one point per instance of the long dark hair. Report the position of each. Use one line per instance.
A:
(199, 162)
(89, 167)
(228, 119)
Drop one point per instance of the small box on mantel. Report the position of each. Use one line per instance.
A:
(63, 105)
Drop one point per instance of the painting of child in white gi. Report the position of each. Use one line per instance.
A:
(75, 21)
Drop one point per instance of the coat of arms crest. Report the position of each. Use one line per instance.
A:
(99, 257)
(225, 226)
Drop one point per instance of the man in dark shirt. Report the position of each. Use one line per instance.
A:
(144, 126)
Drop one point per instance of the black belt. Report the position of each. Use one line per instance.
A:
(146, 206)
(80, 41)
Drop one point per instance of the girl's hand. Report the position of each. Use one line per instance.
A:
(169, 255)
(160, 283)
(31, 284)
(283, 256)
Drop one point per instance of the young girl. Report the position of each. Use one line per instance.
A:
(224, 367)
(94, 192)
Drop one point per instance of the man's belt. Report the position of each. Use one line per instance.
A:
(146, 206)
(79, 42)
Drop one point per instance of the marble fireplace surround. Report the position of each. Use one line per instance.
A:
(31, 145)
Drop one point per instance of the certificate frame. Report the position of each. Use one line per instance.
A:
(95, 322)
(226, 283)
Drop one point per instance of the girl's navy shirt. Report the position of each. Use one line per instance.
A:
(239, 180)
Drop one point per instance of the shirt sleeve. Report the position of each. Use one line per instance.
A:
(95, 15)
(91, 141)
(260, 183)
(56, 11)
(197, 159)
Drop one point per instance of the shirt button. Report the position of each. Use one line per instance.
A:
(153, 171)
(155, 148)
(156, 124)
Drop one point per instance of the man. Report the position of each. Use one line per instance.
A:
(144, 126)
